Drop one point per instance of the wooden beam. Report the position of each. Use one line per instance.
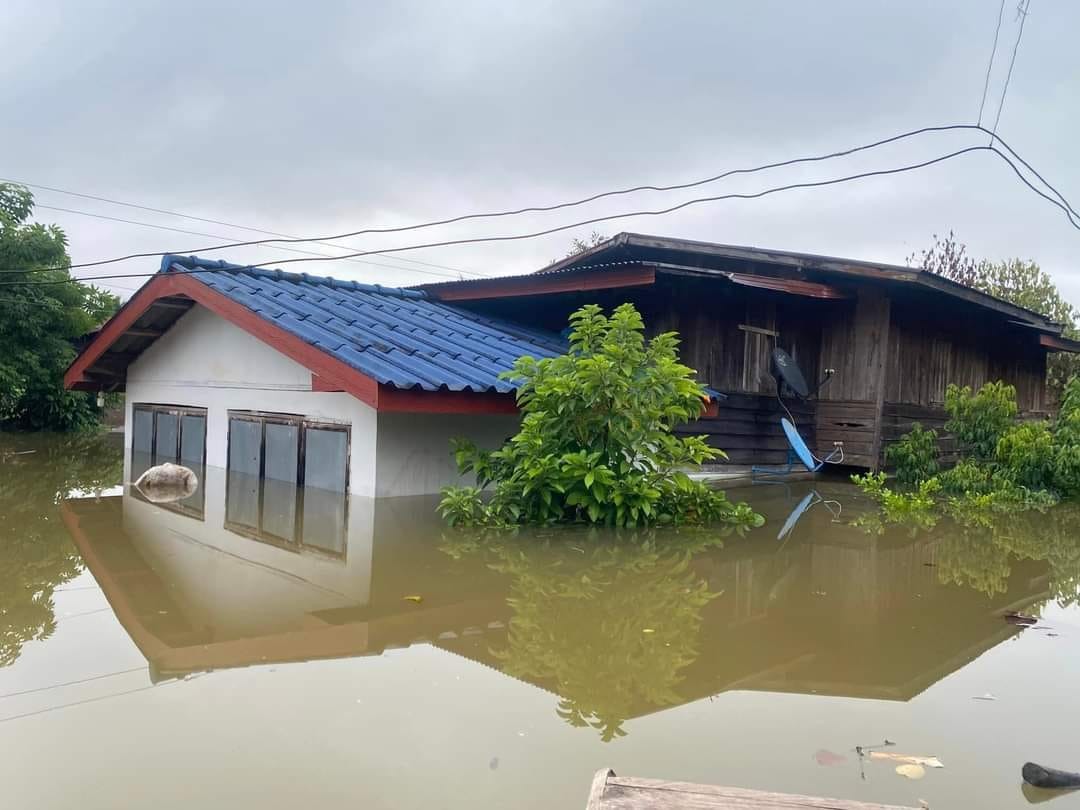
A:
(546, 284)
(150, 333)
(170, 303)
(881, 371)
(611, 792)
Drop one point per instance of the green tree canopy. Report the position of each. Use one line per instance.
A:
(39, 322)
(1017, 281)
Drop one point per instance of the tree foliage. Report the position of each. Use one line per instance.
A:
(915, 455)
(610, 622)
(596, 442)
(39, 322)
(978, 420)
(1007, 466)
(36, 553)
(1017, 281)
(579, 245)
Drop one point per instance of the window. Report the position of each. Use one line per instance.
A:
(287, 481)
(173, 433)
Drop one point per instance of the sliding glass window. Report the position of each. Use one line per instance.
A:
(170, 433)
(288, 481)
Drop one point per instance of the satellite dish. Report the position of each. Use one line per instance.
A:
(789, 373)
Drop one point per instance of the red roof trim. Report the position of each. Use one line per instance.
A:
(329, 368)
(513, 286)
(328, 373)
(414, 400)
(1059, 344)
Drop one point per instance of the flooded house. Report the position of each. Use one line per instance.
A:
(341, 386)
(291, 378)
(893, 337)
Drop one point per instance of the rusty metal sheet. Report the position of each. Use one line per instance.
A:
(810, 289)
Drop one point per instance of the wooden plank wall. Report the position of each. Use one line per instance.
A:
(852, 422)
(853, 342)
(930, 349)
(748, 428)
(899, 418)
(708, 314)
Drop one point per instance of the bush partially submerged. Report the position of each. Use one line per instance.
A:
(1008, 466)
(596, 443)
(915, 455)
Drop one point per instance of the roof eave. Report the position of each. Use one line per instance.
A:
(332, 373)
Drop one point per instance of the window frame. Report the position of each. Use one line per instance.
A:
(153, 408)
(302, 424)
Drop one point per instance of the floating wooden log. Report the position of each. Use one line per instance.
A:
(611, 792)
(1043, 777)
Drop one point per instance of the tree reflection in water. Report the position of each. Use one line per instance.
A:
(36, 553)
(976, 548)
(607, 622)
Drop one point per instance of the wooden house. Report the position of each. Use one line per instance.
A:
(894, 336)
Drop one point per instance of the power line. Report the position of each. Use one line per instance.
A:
(1063, 204)
(182, 215)
(1022, 10)
(990, 65)
(267, 243)
(85, 701)
(536, 209)
(73, 683)
(592, 221)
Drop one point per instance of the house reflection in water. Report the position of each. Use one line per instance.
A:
(246, 573)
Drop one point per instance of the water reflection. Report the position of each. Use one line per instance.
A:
(613, 627)
(36, 556)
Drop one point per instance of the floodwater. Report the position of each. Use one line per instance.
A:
(255, 646)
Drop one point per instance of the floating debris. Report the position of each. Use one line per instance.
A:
(829, 758)
(907, 759)
(911, 771)
(987, 696)
(1021, 619)
(414, 599)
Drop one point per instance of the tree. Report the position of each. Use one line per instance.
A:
(579, 245)
(36, 552)
(596, 442)
(1019, 282)
(39, 322)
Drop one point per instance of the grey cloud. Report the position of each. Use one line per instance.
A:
(317, 117)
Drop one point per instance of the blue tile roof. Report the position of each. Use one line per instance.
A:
(398, 337)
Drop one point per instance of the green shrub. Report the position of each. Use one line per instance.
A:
(968, 477)
(1065, 467)
(914, 508)
(596, 443)
(915, 455)
(1025, 453)
(978, 420)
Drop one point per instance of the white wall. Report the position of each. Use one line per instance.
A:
(206, 362)
(413, 450)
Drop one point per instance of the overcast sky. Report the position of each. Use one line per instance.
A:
(326, 117)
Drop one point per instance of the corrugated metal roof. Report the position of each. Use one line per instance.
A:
(398, 337)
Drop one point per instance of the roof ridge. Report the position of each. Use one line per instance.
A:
(175, 263)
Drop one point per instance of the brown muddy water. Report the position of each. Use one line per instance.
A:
(258, 647)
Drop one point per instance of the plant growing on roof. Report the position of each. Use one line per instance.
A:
(596, 442)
